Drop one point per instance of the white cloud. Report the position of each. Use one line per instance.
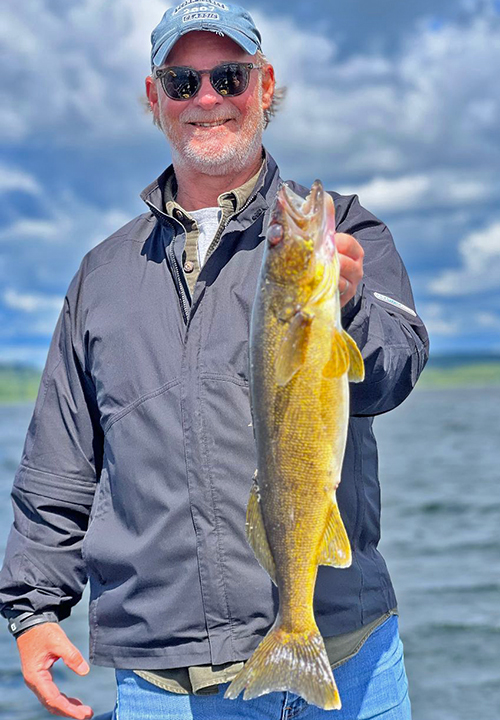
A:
(435, 104)
(419, 131)
(15, 179)
(76, 70)
(450, 321)
(488, 320)
(32, 302)
(29, 355)
(77, 74)
(480, 268)
(40, 255)
(434, 189)
(438, 320)
(25, 228)
(393, 194)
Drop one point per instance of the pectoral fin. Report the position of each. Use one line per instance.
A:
(356, 364)
(336, 550)
(256, 532)
(292, 351)
(338, 363)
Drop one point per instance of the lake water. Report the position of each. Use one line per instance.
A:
(440, 478)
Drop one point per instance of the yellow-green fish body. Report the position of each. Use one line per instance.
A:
(301, 362)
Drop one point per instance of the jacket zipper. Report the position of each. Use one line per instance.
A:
(233, 215)
(184, 305)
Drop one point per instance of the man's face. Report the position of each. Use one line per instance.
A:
(235, 142)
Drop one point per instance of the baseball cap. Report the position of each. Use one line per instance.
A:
(219, 17)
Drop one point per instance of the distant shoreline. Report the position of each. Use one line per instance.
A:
(20, 383)
(472, 374)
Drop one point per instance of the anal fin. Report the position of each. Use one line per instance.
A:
(256, 532)
(336, 550)
(356, 364)
(338, 363)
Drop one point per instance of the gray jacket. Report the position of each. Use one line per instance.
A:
(139, 456)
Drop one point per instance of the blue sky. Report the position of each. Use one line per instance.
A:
(396, 101)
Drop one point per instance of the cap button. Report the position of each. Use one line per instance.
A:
(188, 266)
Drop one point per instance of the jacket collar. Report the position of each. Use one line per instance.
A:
(263, 193)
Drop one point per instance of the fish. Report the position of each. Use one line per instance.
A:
(300, 364)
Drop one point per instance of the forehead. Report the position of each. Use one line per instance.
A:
(201, 49)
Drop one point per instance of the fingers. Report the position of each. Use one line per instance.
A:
(54, 700)
(73, 658)
(344, 286)
(39, 648)
(351, 265)
(351, 269)
(348, 245)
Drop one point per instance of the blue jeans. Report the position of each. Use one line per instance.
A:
(372, 684)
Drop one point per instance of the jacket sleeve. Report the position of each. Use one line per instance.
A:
(54, 485)
(381, 318)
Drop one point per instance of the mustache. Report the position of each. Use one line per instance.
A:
(190, 116)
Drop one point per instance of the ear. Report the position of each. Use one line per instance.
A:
(268, 84)
(152, 93)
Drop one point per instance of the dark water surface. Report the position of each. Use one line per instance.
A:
(440, 478)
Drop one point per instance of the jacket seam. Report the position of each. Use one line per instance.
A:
(154, 653)
(197, 532)
(225, 378)
(214, 503)
(95, 624)
(37, 411)
(125, 411)
(124, 237)
(358, 472)
(53, 474)
(29, 561)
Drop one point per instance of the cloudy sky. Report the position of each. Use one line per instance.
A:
(397, 101)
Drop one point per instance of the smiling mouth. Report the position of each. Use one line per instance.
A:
(214, 123)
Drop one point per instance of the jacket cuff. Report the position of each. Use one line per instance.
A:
(20, 623)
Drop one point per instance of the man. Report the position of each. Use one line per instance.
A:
(139, 456)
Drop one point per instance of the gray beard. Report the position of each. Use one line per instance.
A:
(238, 160)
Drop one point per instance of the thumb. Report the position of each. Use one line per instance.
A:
(73, 658)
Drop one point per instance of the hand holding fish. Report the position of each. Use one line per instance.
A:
(351, 265)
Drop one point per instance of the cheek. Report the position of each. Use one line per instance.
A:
(247, 106)
(170, 109)
(250, 100)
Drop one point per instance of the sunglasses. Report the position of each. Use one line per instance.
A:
(228, 79)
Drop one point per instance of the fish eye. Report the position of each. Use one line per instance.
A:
(275, 234)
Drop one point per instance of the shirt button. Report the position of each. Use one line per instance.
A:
(188, 266)
(178, 214)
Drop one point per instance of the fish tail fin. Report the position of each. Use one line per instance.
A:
(296, 662)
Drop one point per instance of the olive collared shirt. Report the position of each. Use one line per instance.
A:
(229, 202)
(205, 679)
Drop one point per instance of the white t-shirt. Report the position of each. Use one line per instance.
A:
(207, 220)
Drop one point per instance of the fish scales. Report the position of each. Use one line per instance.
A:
(301, 449)
(301, 362)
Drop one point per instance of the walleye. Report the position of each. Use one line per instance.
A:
(301, 361)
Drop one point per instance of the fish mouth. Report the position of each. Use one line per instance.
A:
(309, 220)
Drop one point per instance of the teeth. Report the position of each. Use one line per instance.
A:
(212, 124)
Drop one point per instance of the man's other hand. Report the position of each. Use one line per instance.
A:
(351, 265)
(39, 648)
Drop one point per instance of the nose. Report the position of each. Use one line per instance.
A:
(206, 97)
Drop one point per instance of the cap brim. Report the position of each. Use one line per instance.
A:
(162, 51)
(240, 38)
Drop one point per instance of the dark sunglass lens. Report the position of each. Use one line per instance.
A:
(230, 79)
(181, 83)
